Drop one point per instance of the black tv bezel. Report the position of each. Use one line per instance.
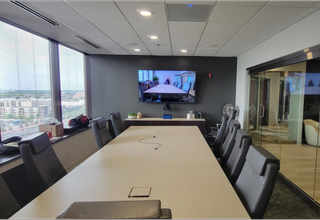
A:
(195, 97)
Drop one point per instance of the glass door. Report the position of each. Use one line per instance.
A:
(257, 107)
(263, 111)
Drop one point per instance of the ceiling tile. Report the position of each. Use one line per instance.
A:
(240, 14)
(184, 45)
(223, 29)
(241, 3)
(154, 44)
(129, 9)
(303, 15)
(205, 52)
(106, 43)
(185, 37)
(160, 50)
(246, 38)
(162, 37)
(177, 53)
(186, 27)
(203, 45)
(153, 27)
(279, 15)
(301, 4)
(195, 2)
(259, 28)
(235, 47)
(97, 10)
(208, 38)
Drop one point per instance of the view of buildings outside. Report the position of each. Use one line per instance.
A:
(25, 93)
(25, 87)
(72, 83)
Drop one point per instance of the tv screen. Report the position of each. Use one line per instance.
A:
(173, 86)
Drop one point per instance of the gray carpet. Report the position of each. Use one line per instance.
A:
(284, 204)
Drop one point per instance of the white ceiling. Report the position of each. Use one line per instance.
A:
(231, 29)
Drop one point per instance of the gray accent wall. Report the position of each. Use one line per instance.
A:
(114, 84)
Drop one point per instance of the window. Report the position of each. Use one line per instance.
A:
(145, 75)
(25, 92)
(72, 83)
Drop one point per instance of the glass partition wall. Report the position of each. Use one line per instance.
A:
(283, 118)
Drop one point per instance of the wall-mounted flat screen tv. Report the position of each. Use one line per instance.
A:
(170, 86)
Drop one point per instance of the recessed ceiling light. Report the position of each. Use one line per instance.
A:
(137, 50)
(154, 37)
(184, 51)
(145, 13)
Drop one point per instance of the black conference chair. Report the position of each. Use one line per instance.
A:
(41, 162)
(186, 88)
(231, 117)
(256, 180)
(137, 209)
(235, 162)
(179, 85)
(101, 132)
(110, 128)
(117, 123)
(228, 144)
(217, 141)
(8, 204)
(144, 97)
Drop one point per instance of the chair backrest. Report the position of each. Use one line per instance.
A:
(218, 141)
(228, 144)
(179, 85)
(8, 203)
(41, 162)
(186, 87)
(231, 117)
(256, 181)
(142, 87)
(117, 123)
(135, 209)
(101, 132)
(110, 128)
(235, 162)
(174, 83)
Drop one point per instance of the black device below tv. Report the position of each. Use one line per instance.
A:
(169, 86)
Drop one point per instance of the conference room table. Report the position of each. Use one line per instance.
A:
(165, 89)
(174, 161)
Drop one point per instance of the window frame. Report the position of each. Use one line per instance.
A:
(55, 75)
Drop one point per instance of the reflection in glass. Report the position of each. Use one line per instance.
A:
(290, 95)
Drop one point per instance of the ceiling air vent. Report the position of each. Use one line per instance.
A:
(34, 12)
(86, 41)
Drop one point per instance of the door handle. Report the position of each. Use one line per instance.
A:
(261, 115)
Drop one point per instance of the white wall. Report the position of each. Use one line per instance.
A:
(301, 35)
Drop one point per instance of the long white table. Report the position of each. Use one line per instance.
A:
(182, 172)
(165, 89)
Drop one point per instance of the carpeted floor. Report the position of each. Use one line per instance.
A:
(284, 204)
